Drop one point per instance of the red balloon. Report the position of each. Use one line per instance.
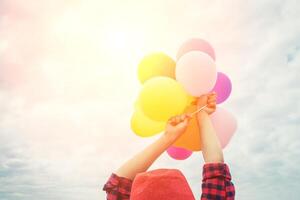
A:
(178, 153)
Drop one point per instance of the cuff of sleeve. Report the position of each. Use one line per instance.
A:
(119, 184)
(214, 170)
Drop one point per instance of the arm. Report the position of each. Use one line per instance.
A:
(216, 182)
(144, 159)
(211, 147)
(119, 184)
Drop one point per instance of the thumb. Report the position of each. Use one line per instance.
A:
(186, 120)
(188, 116)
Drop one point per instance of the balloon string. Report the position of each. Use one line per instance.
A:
(198, 110)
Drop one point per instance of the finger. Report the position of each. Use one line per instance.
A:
(177, 119)
(182, 118)
(212, 105)
(172, 120)
(174, 123)
(188, 116)
(211, 101)
(213, 97)
(194, 102)
(185, 122)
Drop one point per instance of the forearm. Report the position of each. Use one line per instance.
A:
(143, 160)
(211, 147)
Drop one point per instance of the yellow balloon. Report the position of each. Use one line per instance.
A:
(156, 64)
(162, 97)
(143, 126)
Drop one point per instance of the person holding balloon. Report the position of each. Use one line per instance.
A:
(132, 181)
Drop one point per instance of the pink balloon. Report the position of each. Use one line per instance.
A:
(225, 125)
(197, 72)
(222, 87)
(179, 153)
(196, 44)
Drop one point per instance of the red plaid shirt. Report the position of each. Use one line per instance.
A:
(216, 184)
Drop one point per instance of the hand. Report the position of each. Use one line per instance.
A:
(176, 126)
(209, 100)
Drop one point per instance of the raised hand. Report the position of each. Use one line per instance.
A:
(176, 126)
(209, 100)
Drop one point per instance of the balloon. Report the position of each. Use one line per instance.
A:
(179, 153)
(162, 98)
(191, 100)
(224, 124)
(196, 44)
(222, 87)
(197, 73)
(190, 139)
(143, 126)
(156, 64)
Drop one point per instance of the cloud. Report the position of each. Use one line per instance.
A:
(267, 108)
(66, 98)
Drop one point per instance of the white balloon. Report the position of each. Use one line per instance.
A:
(197, 72)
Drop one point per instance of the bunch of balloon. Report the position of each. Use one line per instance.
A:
(161, 96)
(169, 88)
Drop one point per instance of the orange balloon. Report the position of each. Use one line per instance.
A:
(190, 139)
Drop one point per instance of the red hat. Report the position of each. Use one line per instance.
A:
(161, 184)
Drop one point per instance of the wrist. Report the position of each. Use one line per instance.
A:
(168, 138)
(202, 117)
(202, 114)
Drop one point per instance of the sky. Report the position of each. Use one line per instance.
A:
(68, 83)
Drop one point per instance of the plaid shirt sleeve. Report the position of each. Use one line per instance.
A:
(216, 183)
(117, 188)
